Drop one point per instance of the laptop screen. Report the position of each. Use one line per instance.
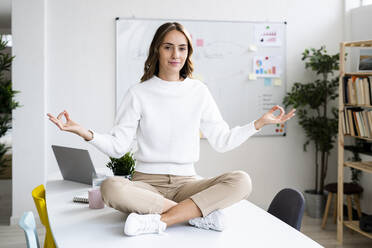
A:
(74, 164)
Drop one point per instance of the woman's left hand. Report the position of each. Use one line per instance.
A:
(270, 118)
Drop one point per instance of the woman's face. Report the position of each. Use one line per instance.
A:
(172, 53)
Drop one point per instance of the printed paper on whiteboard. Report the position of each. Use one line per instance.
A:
(267, 35)
(267, 66)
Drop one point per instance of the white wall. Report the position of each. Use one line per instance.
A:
(29, 76)
(80, 59)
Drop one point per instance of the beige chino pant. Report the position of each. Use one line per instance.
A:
(146, 192)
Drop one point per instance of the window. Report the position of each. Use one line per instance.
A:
(8, 38)
(352, 4)
(366, 2)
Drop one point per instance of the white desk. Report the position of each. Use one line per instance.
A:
(76, 225)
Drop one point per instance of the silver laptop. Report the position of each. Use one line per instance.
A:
(74, 164)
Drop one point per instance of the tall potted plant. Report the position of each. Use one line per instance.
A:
(318, 119)
(7, 103)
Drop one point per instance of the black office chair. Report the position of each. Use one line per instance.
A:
(288, 205)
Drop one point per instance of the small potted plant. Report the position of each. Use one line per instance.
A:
(123, 166)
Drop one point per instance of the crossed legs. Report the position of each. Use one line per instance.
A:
(180, 212)
(194, 198)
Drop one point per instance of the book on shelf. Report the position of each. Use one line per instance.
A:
(350, 121)
(367, 90)
(346, 123)
(369, 118)
(351, 118)
(357, 122)
(366, 124)
(357, 90)
(354, 91)
(344, 128)
(361, 125)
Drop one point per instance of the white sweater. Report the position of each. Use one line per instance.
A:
(166, 118)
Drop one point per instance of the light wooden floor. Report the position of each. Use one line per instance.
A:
(327, 237)
(13, 237)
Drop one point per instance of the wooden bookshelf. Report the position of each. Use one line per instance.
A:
(358, 105)
(358, 150)
(358, 137)
(361, 43)
(359, 74)
(354, 225)
(362, 165)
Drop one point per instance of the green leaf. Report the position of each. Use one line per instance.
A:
(122, 166)
(7, 102)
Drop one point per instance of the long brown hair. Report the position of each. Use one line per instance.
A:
(152, 61)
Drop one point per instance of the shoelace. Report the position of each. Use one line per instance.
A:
(148, 225)
(205, 222)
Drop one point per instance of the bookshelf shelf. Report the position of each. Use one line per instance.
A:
(361, 43)
(358, 105)
(364, 166)
(354, 225)
(358, 137)
(358, 74)
(352, 121)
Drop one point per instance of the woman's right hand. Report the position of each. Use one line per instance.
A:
(70, 125)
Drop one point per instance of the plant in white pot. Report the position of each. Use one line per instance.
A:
(123, 166)
(318, 119)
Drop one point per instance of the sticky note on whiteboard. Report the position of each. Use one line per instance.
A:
(199, 42)
(267, 81)
(252, 48)
(252, 76)
(277, 82)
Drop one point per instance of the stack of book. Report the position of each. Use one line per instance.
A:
(82, 198)
(357, 122)
(357, 90)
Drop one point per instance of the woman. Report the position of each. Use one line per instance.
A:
(165, 112)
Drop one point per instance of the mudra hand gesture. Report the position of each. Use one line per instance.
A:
(70, 125)
(270, 118)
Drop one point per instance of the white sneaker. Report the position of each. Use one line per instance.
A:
(147, 223)
(214, 221)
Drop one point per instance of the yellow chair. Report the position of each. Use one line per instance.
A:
(39, 198)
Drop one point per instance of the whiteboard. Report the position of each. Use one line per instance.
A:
(242, 63)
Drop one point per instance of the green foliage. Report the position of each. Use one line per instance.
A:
(7, 104)
(311, 101)
(3, 150)
(122, 166)
(355, 173)
(319, 61)
(360, 146)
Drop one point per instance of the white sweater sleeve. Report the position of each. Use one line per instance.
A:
(218, 132)
(119, 140)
